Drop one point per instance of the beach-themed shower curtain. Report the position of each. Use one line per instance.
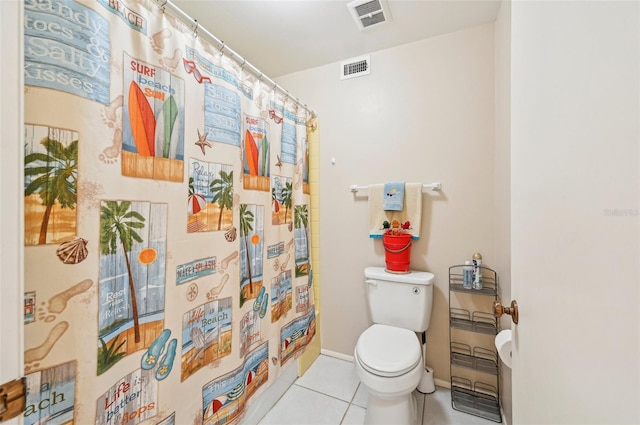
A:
(166, 196)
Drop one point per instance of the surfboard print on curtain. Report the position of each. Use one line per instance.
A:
(255, 154)
(153, 122)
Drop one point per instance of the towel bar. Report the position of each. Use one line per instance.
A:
(433, 186)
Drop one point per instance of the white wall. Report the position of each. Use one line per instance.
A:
(11, 319)
(503, 177)
(425, 113)
(574, 211)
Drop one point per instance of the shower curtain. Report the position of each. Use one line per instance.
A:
(166, 196)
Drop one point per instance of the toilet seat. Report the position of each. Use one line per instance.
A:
(388, 351)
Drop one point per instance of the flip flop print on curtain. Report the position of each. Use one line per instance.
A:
(261, 303)
(166, 363)
(150, 358)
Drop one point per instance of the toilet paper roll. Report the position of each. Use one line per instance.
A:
(503, 346)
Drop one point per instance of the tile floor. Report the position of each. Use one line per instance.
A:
(329, 393)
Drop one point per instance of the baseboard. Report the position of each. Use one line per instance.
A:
(442, 383)
(504, 420)
(336, 355)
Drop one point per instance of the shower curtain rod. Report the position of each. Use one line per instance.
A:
(222, 47)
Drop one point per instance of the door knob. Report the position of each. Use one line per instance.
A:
(499, 310)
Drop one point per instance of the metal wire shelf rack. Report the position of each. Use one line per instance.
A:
(474, 397)
(477, 321)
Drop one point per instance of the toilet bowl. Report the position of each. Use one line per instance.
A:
(388, 362)
(388, 355)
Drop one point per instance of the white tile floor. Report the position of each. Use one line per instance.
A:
(329, 393)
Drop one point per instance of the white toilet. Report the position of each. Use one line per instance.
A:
(388, 355)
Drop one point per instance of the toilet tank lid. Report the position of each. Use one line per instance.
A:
(414, 277)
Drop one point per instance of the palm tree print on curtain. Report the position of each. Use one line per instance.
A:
(301, 237)
(222, 189)
(50, 184)
(132, 275)
(210, 198)
(255, 154)
(251, 250)
(281, 195)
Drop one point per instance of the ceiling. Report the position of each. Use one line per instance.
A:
(280, 37)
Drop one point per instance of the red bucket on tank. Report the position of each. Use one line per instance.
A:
(397, 252)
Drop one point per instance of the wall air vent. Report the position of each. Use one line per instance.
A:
(368, 13)
(355, 67)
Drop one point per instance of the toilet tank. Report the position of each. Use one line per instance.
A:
(402, 300)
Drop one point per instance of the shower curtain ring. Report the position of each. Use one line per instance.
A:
(195, 30)
(242, 65)
(163, 5)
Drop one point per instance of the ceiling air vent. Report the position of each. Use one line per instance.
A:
(368, 13)
(355, 67)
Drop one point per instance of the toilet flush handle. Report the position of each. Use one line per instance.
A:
(372, 282)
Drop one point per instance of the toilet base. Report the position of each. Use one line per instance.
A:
(398, 410)
(426, 385)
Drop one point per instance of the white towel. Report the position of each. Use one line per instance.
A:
(412, 211)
